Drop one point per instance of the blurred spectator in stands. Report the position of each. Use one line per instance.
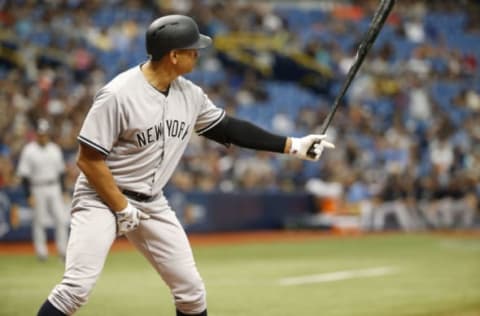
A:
(414, 28)
(283, 124)
(358, 199)
(290, 175)
(420, 106)
(462, 200)
(451, 205)
(28, 56)
(7, 174)
(423, 190)
(468, 99)
(344, 59)
(7, 211)
(441, 153)
(320, 52)
(472, 24)
(363, 88)
(82, 61)
(328, 188)
(470, 64)
(6, 14)
(380, 63)
(398, 135)
(307, 119)
(67, 48)
(251, 89)
(101, 38)
(395, 150)
(271, 22)
(419, 63)
(255, 172)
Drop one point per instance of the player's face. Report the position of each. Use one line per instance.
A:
(187, 59)
(42, 139)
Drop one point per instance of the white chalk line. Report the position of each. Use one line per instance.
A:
(469, 246)
(337, 276)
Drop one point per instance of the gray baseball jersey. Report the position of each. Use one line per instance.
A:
(41, 164)
(143, 133)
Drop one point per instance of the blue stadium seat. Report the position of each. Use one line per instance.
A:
(300, 19)
(207, 78)
(402, 48)
(443, 92)
(104, 17)
(41, 38)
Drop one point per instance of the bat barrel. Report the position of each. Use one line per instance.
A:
(378, 20)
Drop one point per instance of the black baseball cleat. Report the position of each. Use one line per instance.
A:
(204, 313)
(47, 309)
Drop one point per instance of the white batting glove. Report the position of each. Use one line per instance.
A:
(309, 147)
(129, 218)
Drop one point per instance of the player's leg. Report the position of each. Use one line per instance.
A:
(429, 211)
(40, 214)
(463, 209)
(403, 217)
(164, 243)
(379, 215)
(366, 215)
(469, 208)
(92, 233)
(60, 219)
(445, 211)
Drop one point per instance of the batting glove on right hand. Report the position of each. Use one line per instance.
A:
(129, 218)
(309, 147)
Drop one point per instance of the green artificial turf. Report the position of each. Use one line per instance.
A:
(430, 275)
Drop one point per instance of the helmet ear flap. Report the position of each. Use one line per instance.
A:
(153, 36)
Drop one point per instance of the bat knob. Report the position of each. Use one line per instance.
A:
(311, 152)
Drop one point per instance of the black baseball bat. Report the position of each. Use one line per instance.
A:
(376, 25)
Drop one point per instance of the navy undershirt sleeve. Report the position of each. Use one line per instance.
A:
(245, 134)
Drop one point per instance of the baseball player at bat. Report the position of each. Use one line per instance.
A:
(130, 143)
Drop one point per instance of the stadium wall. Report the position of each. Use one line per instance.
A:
(199, 212)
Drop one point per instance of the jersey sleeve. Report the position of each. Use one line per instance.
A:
(208, 116)
(101, 126)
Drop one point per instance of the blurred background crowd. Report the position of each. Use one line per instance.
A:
(407, 136)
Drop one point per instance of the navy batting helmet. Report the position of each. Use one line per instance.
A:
(174, 32)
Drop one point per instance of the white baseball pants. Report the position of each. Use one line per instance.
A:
(161, 239)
